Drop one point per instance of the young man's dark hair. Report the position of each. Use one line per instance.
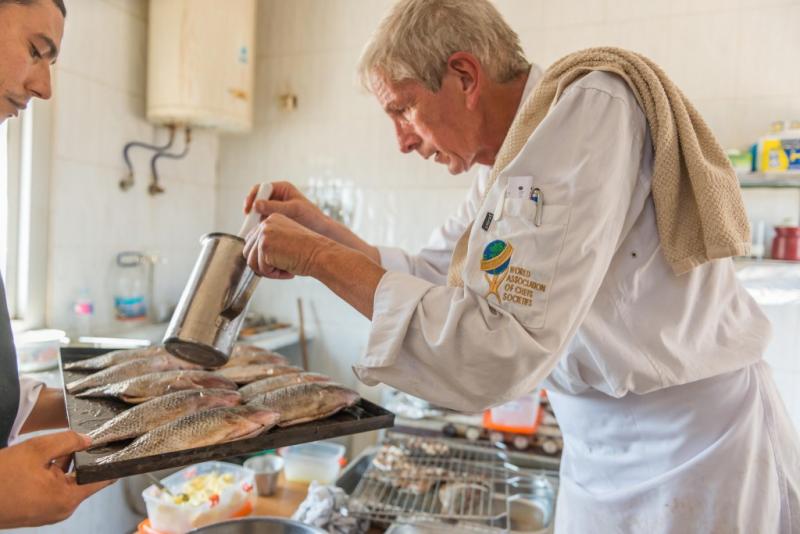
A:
(59, 4)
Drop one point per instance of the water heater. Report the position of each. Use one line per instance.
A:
(200, 63)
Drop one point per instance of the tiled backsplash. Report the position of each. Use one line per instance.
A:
(99, 94)
(723, 53)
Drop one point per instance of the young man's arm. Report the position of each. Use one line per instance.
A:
(48, 413)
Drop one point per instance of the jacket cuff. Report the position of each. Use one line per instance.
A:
(396, 300)
(394, 259)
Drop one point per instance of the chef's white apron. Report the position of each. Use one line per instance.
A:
(715, 456)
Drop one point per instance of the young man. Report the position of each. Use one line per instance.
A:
(30, 37)
(556, 271)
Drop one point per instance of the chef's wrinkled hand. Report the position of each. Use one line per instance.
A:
(38, 490)
(280, 247)
(287, 200)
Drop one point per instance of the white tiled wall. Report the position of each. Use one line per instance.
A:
(725, 54)
(730, 56)
(99, 95)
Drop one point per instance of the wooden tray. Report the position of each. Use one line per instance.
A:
(85, 415)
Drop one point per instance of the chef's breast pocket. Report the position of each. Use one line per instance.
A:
(520, 258)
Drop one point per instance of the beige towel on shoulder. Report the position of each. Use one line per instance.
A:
(699, 209)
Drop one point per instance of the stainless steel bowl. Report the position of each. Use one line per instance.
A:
(258, 525)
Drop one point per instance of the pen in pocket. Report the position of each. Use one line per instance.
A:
(538, 199)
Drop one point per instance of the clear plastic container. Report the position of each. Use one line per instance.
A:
(318, 461)
(207, 504)
(38, 350)
(130, 276)
(521, 416)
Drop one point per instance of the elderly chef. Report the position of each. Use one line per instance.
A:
(591, 256)
(30, 35)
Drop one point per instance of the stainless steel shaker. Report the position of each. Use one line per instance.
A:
(214, 302)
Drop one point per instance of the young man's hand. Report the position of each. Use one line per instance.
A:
(38, 491)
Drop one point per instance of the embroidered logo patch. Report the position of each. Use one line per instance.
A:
(517, 283)
(495, 263)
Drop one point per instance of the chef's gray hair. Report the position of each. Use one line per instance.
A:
(416, 38)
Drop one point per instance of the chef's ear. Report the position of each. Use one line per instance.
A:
(469, 72)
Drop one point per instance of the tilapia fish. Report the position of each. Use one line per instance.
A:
(159, 411)
(123, 371)
(113, 358)
(143, 388)
(218, 425)
(306, 402)
(250, 354)
(244, 374)
(277, 382)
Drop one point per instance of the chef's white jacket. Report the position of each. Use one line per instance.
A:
(612, 316)
(587, 306)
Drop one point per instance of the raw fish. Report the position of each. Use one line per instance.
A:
(161, 410)
(210, 427)
(143, 388)
(113, 358)
(130, 369)
(306, 402)
(276, 382)
(244, 374)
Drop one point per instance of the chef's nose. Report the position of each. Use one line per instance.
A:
(406, 138)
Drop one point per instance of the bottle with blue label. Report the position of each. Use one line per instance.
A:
(130, 271)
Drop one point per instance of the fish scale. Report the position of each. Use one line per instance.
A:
(276, 382)
(306, 402)
(146, 416)
(130, 369)
(244, 374)
(113, 358)
(243, 357)
(143, 388)
(209, 427)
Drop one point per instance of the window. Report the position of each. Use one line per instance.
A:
(10, 239)
(24, 185)
(3, 198)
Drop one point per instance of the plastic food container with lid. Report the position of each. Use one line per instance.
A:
(520, 416)
(202, 494)
(38, 350)
(318, 461)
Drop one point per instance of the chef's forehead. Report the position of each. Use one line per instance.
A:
(391, 94)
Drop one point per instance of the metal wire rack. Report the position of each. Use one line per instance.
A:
(425, 479)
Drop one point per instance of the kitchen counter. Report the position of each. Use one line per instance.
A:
(270, 340)
(285, 500)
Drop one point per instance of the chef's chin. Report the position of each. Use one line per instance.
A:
(456, 167)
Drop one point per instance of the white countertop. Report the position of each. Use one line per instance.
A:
(154, 333)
